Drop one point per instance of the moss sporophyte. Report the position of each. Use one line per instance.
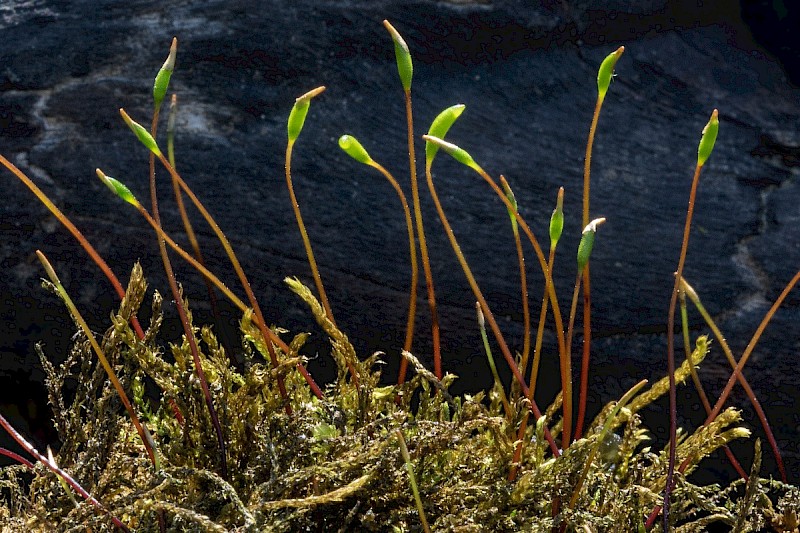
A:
(260, 446)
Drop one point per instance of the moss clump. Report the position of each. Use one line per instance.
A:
(336, 464)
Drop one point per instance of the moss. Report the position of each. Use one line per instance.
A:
(363, 456)
(336, 464)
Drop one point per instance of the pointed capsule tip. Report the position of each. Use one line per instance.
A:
(481, 318)
(395, 35)
(592, 226)
(310, 94)
(169, 63)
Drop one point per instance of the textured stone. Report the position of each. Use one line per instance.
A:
(527, 76)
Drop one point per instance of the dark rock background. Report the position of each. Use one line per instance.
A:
(527, 74)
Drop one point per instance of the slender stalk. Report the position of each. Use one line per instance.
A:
(405, 70)
(499, 384)
(482, 301)
(67, 223)
(688, 349)
(187, 223)
(585, 359)
(523, 281)
(537, 348)
(739, 377)
(587, 293)
(268, 335)
(412, 478)
(604, 75)
(704, 150)
(521, 441)
(16, 457)
(323, 297)
(28, 447)
(673, 414)
(294, 127)
(181, 307)
(696, 378)
(423, 245)
(566, 362)
(412, 250)
(144, 434)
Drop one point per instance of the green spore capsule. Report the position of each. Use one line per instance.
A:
(117, 187)
(297, 117)
(606, 72)
(457, 153)
(353, 148)
(557, 219)
(405, 67)
(142, 134)
(587, 242)
(439, 128)
(708, 139)
(513, 200)
(162, 78)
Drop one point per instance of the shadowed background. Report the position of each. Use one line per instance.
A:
(527, 76)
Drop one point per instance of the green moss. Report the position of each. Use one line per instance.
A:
(337, 463)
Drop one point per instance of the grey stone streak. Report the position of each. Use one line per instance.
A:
(527, 75)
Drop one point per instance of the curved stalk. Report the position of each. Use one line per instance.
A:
(482, 301)
(22, 441)
(67, 223)
(144, 434)
(405, 69)
(412, 250)
(707, 141)
(762, 417)
(182, 312)
(269, 336)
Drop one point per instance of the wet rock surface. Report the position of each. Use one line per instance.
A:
(527, 77)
